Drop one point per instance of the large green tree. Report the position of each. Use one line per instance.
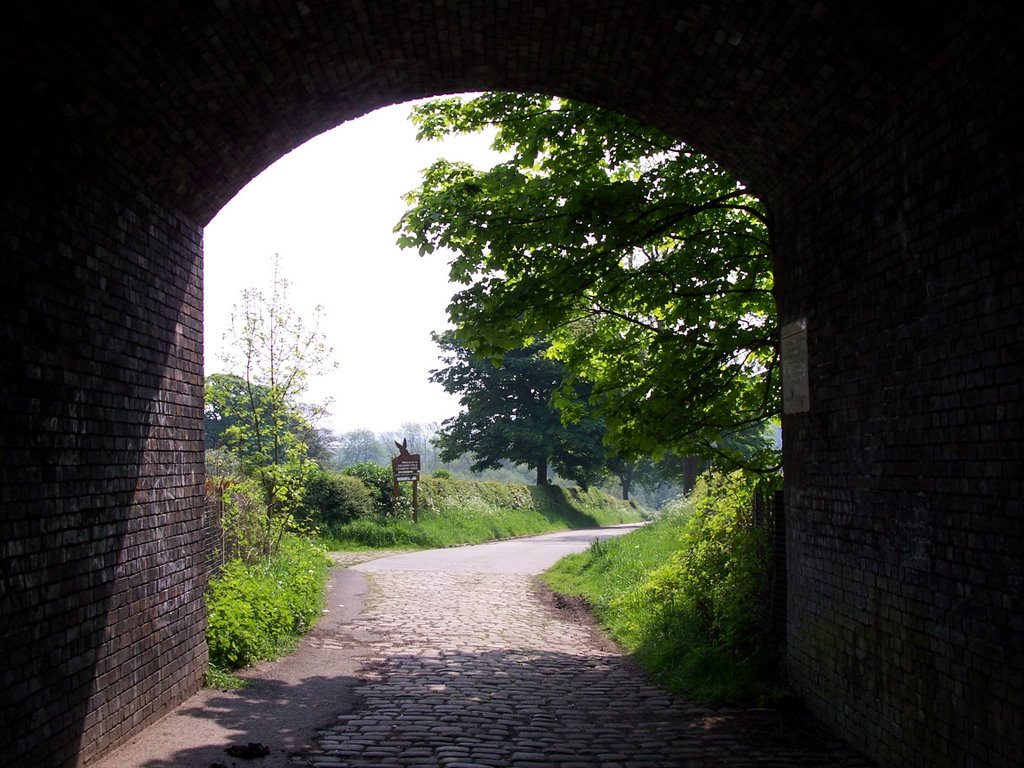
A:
(644, 264)
(508, 413)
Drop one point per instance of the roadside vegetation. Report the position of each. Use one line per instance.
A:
(454, 512)
(280, 500)
(689, 594)
(614, 329)
(258, 611)
(259, 605)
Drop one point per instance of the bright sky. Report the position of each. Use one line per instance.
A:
(328, 209)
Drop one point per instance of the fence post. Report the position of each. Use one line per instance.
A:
(213, 512)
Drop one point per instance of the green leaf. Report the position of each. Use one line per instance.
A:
(644, 265)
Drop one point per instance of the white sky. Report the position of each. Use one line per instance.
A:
(328, 209)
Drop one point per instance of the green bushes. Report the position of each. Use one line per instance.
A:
(688, 594)
(378, 480)
(719, 574)
(456, 512)
(245, 532)
(331, 498)
(269, 587)
(255, 610)
(256, 509)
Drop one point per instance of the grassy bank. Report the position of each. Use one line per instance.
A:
(687, 595)
(454, 512)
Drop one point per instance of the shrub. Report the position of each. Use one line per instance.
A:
(244, 531)
(720, 573)
(332, 498)
(255, 610)
(441, 474)
(257, 507)
(378, 479)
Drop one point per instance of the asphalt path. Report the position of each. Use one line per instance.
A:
(287, 701)
(524, 556)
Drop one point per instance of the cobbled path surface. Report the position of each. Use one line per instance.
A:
(471, 670)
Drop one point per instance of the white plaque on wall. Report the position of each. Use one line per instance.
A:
(795, 387)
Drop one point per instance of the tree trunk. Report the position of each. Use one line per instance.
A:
(626, 479)
(691, 468)
(542, 471)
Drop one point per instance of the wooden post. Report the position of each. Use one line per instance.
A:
(406, 467)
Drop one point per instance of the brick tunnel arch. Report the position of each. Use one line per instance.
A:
(885, 143)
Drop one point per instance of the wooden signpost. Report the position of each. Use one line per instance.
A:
(405, 468)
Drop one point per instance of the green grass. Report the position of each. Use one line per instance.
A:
(686, 595)
(612, 569)
(454, 512)
(223, 680)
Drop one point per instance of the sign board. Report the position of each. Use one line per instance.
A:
(795, 380)
(406, 469)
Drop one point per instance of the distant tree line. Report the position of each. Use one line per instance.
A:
(362, 446)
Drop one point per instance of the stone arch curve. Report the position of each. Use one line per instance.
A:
(886, 143)
(199, 99)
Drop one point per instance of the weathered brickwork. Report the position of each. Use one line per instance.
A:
(101, 576)
(904, 480)
(886, 143)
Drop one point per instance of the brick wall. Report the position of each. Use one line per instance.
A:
(904, 479)
(886, 142)
(101, 566)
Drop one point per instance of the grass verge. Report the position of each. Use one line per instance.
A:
(687, 596)
(454, 512)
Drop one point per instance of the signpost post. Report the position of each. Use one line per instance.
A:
(406, 468)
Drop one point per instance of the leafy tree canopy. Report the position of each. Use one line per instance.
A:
(274, 350)
(508, 414)
(359, 446)
(643, 264)
(231, 403)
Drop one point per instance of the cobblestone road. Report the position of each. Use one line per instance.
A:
(480, 670)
